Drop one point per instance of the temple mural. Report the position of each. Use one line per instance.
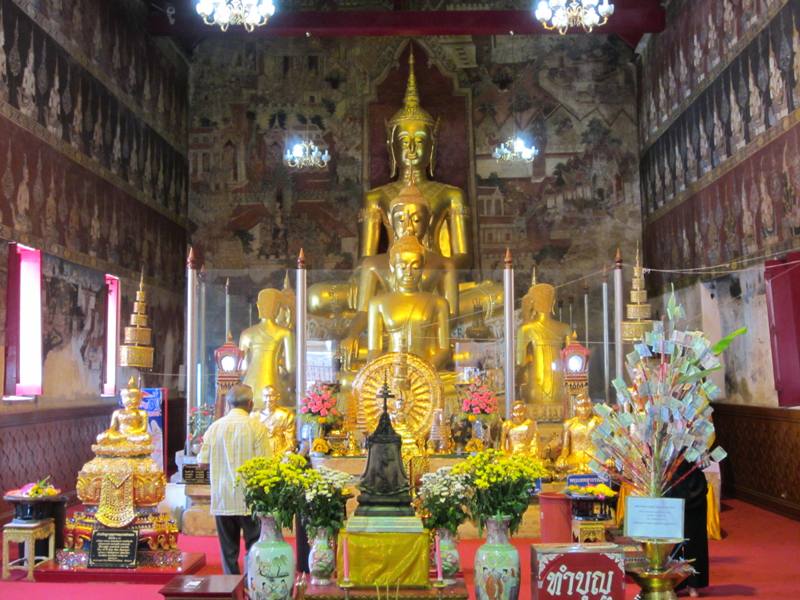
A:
(575, 100)
(720, 169)
(93, 172)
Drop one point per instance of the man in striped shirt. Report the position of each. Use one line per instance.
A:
(227, 444)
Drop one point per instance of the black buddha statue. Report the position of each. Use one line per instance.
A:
(384, 486)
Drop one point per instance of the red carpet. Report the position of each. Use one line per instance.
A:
(757, 559)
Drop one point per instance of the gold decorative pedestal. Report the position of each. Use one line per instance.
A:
(660, 574)
(27, 533)
(586, 531)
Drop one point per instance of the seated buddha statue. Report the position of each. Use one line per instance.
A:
(519, 434)
(539, 342)
(577, 447)
(127, 435)
(269, 344)
(407, 319)
(409, 214)
(279, 421)
(411, 141)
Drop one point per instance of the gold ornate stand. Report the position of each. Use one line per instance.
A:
(660, 574)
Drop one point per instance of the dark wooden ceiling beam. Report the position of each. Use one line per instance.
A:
(630, 20)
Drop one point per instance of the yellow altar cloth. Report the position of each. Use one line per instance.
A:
(385, 559)
(712, 514)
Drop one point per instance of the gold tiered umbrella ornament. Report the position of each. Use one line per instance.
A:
(137, 350)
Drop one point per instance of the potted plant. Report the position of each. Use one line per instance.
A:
(442, 503)
(502, 487)
(323, 512)
(274, 489)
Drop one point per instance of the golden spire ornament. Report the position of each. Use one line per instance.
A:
(411, 111)
(639, 310)
(137, 350)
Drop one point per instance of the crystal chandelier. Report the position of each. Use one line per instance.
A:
(306, 155)
(514, 149)
(248, 13)
(563, 14)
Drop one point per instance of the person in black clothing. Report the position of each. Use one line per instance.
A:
(693, 489)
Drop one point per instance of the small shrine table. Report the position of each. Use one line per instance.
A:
(27, 533)
(457, 591)
(208, 587)
(36, 509)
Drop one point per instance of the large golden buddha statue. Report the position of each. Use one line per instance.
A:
(269, 344)
(539, 342)
(411, 141)
(518, 434)
(407, 319)
(577, 447)
(279, 421)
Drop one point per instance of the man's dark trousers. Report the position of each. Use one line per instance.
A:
(228, 532)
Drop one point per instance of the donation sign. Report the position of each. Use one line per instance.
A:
(653, 518)
(578, 572)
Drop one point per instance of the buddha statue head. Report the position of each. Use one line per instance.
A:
(519, 413)
(542, 298)
(271, 396)
(406, 261)
(584, 408)
(411, 132)
(270, 303)
(409, 213)
(131, 396)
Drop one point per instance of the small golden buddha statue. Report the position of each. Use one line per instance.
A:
(411, 141)
(539, 343)
(577, 447)
(413, 321)
(279, 421)
(127, 435)
(518, 434)
(269, 344)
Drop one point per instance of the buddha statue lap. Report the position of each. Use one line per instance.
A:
(577, 447)
(539, 342)
(519, 434)
(269, 344)
(279, 421)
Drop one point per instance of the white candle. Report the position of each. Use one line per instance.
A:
(438, 553)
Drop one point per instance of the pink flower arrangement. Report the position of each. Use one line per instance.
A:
(320, 403)
(479, 401)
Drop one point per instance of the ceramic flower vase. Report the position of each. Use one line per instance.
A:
(497, 572)
(451, 561)
(321, 559)
(270, 564)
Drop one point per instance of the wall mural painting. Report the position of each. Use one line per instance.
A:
(50, 87)
(574, 97)
(751, 210)
(754, 93)
(52, 203)
(701, 38)
(111, 38)
(748, 201)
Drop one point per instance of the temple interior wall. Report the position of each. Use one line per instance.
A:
(720, 168)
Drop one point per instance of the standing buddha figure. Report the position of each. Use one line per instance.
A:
(539, 342)
(577, 447)
(268, 344)
(519, 435)
(279, 421)
(411, 141)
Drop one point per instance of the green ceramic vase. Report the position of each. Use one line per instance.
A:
(497, 573)
(321, 558)
(270, 564)
(451, 561)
